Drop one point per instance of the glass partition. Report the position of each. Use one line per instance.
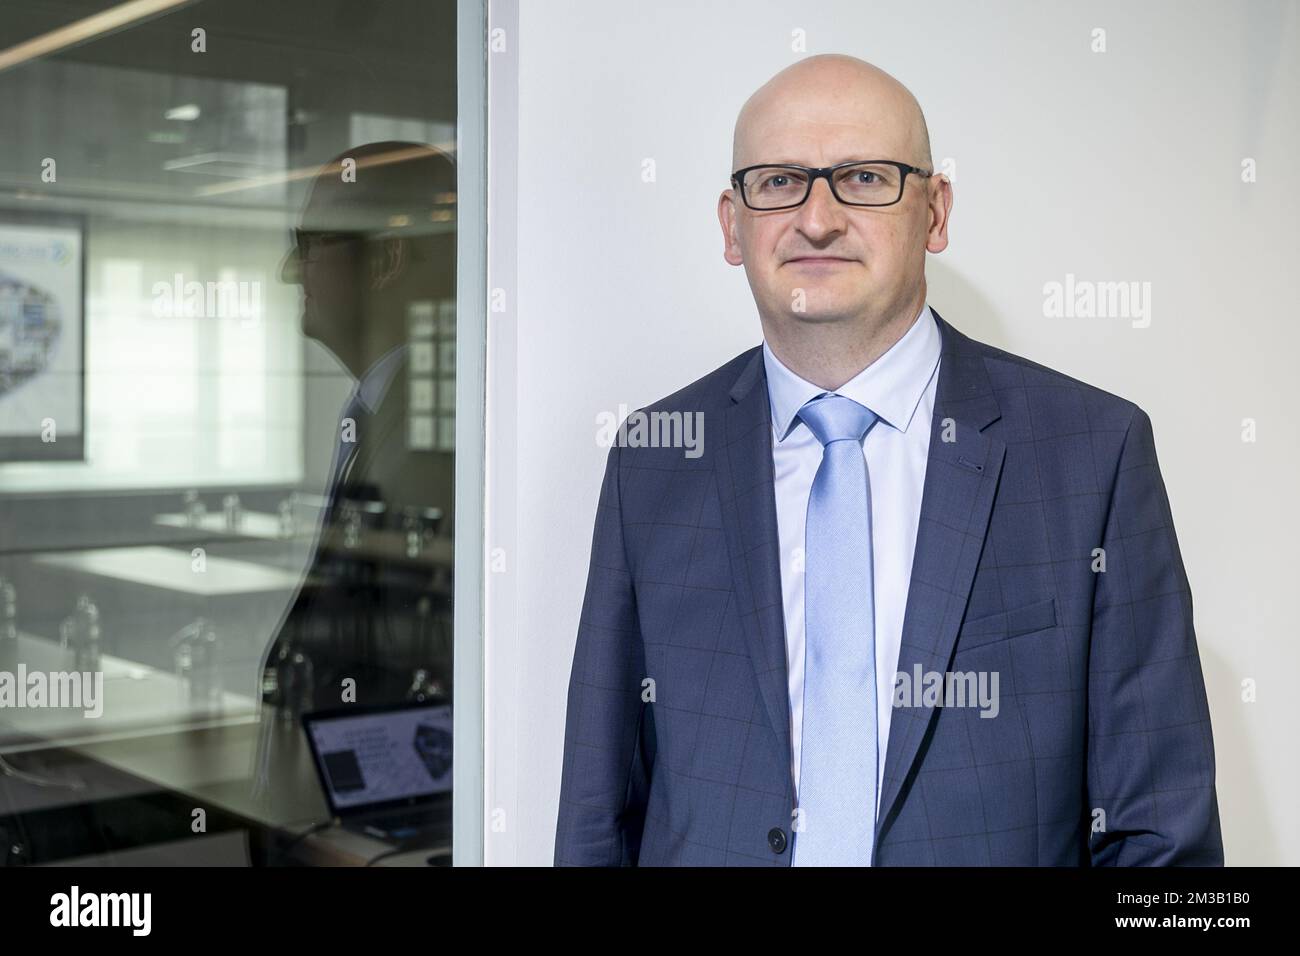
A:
(227, 402)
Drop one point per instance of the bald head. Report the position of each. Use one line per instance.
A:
(836, 282)
(843, 104)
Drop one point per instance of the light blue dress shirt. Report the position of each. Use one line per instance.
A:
(374, 383)
(368, 393)
(899, 387)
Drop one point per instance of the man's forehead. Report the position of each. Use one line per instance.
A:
(811, 141)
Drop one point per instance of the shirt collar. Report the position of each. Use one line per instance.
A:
(891, 386)
(374, 384)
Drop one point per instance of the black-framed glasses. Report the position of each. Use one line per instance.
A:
(873, 182)
(309, 243)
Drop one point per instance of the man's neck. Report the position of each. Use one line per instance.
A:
(828, 354)
(360, 357)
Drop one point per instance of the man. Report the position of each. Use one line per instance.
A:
(776, 633)
(373, 252)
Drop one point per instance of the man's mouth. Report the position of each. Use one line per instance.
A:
(818, 260)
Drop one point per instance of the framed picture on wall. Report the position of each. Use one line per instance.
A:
(42, 337)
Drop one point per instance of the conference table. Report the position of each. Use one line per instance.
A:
(153, 737)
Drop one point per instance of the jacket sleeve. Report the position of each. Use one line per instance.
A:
(605, 778)
(1150, 747)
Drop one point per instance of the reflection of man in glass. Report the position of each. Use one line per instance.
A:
(375, 255)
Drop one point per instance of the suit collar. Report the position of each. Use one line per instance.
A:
(374, 383)
(891, 386)
(964, 389)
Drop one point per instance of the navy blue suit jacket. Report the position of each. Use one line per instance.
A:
(677, 743)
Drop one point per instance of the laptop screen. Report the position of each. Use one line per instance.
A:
(369, 759)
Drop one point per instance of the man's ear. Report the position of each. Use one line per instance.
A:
(387, 261)
(727, 212)
(936, 239)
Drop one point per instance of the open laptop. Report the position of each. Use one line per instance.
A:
(386, 771)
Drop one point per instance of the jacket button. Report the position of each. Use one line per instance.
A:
(776, 839)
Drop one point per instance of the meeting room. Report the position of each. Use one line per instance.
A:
(227, 432)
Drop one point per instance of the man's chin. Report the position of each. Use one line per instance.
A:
(819, 318)
(824, 312)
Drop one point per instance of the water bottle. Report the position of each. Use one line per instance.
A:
(414, 532)
(198, 665)
(351, 525)
(194, 508)
(296, 680)
(8, 626)
(79, 636)
(288, 519)
(230, 508)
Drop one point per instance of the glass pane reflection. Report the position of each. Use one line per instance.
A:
(227, 393)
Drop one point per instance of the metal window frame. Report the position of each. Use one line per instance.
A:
(471, 377)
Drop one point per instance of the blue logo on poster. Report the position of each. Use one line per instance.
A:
(30, 326)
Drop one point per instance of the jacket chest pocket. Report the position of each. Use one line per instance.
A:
(1026, 619)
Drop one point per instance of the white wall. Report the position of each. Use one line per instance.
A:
(1115, 166)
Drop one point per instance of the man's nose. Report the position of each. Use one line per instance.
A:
(291, 268)
(821, 212)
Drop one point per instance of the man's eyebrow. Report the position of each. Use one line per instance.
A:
(854, 158)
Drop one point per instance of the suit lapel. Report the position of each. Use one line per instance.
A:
(747, 494)
(961, 477)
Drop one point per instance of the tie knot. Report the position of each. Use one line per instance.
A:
(833, 417)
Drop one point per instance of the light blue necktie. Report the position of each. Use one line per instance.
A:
(344, 451)
(838, 755)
